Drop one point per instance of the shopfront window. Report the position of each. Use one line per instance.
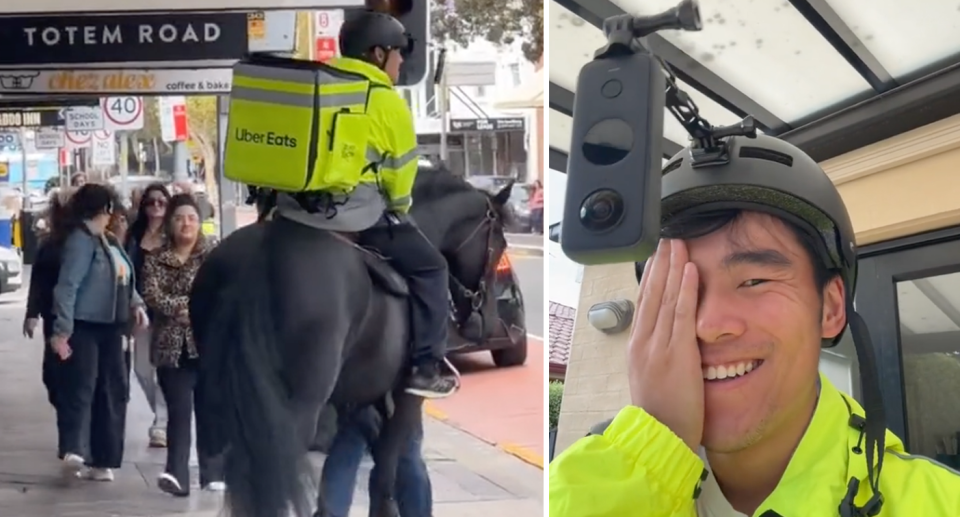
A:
(929, 310)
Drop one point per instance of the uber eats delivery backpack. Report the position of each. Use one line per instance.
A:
(296, 126)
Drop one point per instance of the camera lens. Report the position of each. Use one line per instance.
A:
(601, 210)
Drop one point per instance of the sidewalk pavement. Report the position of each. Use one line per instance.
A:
(470, 478)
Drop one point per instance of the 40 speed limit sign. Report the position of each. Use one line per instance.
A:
(122, 113)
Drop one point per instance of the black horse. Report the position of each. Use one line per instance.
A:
(289, 318)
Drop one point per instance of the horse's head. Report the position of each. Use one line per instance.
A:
(467, 225)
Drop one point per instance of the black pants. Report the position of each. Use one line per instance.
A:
(51, 363)
(92, 395)
(182, 393)
(425, 269)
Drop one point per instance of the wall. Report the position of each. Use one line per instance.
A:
(902, 186)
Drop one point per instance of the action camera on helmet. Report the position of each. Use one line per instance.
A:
(612, 206)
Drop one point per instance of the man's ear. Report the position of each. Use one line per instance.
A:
(834, 315)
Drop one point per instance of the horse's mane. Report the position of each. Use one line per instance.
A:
(437, 181)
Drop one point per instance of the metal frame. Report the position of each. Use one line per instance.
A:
(822, 17)
(877, 303)
(895, 107)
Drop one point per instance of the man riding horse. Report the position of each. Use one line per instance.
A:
(297, 313)
(375, 205)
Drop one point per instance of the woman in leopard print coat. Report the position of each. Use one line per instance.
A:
(168, 277)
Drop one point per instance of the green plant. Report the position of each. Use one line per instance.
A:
(556, 396)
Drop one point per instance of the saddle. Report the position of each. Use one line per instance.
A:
(381, 272)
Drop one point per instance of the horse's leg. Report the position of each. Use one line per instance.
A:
(311, 367)
(397, 430)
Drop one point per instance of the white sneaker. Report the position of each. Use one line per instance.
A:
(105, 475)
(169, 484)
(72, 465)
(215, 486)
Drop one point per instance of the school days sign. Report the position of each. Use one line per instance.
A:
(48, 40)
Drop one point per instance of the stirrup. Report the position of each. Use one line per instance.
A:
(456, 373)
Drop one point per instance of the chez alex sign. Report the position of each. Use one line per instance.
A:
(49, 40)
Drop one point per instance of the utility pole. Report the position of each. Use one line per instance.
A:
(443, 101)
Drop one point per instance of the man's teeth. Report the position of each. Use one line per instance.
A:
(729, 371)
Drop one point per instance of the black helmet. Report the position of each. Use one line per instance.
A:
(367, 29)
(766, 174)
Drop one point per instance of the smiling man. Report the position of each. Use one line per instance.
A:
(729, 416)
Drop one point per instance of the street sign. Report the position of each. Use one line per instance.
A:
(256, 26)
(173, 119)
(83, 119)
(104, 149)
(122, 113)
(114, 38)
(326, 49)
(78, 139)
(9, 139)
(326, 26)
(47, 138)
(488, 124)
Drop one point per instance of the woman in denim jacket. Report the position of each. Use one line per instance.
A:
(94, 301)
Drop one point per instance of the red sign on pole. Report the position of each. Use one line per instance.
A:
(326, 49)
(180, 122)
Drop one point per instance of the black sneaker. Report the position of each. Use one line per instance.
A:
(427, 382)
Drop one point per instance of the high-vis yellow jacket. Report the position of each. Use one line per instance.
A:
(393, 138)
(639, 468)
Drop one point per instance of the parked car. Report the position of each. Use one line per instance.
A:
(11, 270)
(508, 344)
(519, 198)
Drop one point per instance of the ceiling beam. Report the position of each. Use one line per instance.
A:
(915, 104)
(828, 23)
(686, 68)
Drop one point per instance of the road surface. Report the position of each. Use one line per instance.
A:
(469, 477)
(529, 271)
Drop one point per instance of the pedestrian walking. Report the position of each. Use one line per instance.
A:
(146, 235)
(93, 301)
(168, 278)
(43, 279)
(536, 207)
(355, 435)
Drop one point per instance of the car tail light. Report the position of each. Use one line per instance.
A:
(504, 265)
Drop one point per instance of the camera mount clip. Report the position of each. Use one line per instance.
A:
(623, 34)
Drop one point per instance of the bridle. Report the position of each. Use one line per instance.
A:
(477, 296)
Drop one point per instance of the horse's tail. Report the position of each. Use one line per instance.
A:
(265, 466)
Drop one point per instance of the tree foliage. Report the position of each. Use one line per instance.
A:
(498, 21)
(202, 132)
(556, 397)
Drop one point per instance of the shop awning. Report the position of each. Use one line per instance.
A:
(529, 95)
(830, 76)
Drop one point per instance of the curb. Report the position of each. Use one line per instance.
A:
(522, 453)
(524, 251)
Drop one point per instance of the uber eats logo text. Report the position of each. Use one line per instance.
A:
(268, 138)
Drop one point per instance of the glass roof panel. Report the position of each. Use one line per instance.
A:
(904, 36)
(766, 49)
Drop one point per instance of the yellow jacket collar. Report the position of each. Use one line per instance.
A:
(824, 462)
(358, 66)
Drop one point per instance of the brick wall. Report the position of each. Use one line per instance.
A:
(595, 387)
